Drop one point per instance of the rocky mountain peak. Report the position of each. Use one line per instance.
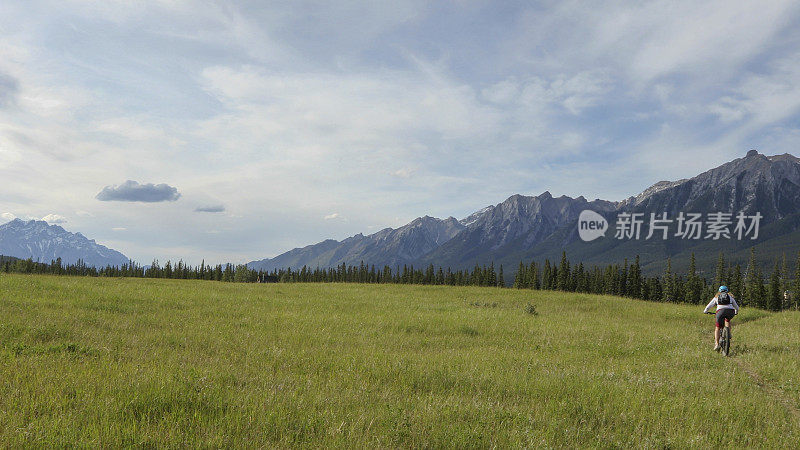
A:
(38, 240)
(524, 225)
(755, 182)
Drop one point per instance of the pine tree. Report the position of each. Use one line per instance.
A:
(501, 280)
(719, 280)
(491, 276)
(669, 282)
(635, 279)
(736, 286)
(546, 275)
(775, 295)
(796, 290)
(752, 292)
(562, 279)
(608, 280)
(655, 289)
(760, 290)
(694, 287)
(784, 283)
(533, 276)
(521, 277)
(622, 289)
(580, 279)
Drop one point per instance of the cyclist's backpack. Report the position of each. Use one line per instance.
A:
(723, 299)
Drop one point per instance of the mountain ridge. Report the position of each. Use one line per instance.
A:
(534, 227)
(38, 240)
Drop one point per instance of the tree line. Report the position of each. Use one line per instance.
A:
(750, 286)
(343, 273)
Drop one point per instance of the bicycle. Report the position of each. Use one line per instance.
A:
(725, 336)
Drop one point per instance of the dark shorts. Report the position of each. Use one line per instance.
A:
(723, 314)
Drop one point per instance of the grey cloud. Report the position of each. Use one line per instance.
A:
(132, 191)
(211, 209)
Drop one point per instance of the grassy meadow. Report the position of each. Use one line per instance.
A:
(112, 362)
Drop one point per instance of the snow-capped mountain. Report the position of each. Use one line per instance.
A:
(37, 240)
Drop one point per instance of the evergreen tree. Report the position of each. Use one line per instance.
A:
(774, 294)
(227, 275)
(736, 286)
(796, 290)
(719, 279)
(635, 279)
(521, 278)
(562, 279)
(654, 289)
(546, 275)
(694, 286)
(533, 276)
(501, 280)
(622, 289)
(669, 282)
(752, 289)
(491, 276)
(581, 284)
(784, 274)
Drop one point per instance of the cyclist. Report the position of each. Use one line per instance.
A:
(726, 309)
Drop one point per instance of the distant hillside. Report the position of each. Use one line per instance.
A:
(391, 247)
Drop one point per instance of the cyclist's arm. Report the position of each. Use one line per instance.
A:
(735, 305)
(710, 304)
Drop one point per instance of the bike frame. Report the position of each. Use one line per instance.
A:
(724, 341)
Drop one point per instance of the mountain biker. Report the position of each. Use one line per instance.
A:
(726, 309)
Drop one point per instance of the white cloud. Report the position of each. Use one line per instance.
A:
(361, 107)
(331, 216)
(309, 106)
(574, 93)
(54, 218)
(7, 216)
(405, 172)
(504, 91)
(728, 109)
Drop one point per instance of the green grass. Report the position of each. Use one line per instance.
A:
(184, 363)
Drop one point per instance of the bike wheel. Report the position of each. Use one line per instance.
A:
(725, 341)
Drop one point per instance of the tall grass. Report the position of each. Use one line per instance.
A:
(168, 362)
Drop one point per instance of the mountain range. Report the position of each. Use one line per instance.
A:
(526, 228)
(529, 228)
(38, 240)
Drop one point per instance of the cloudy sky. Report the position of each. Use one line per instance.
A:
(234, 131)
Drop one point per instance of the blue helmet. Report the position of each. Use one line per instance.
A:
(723, 288)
